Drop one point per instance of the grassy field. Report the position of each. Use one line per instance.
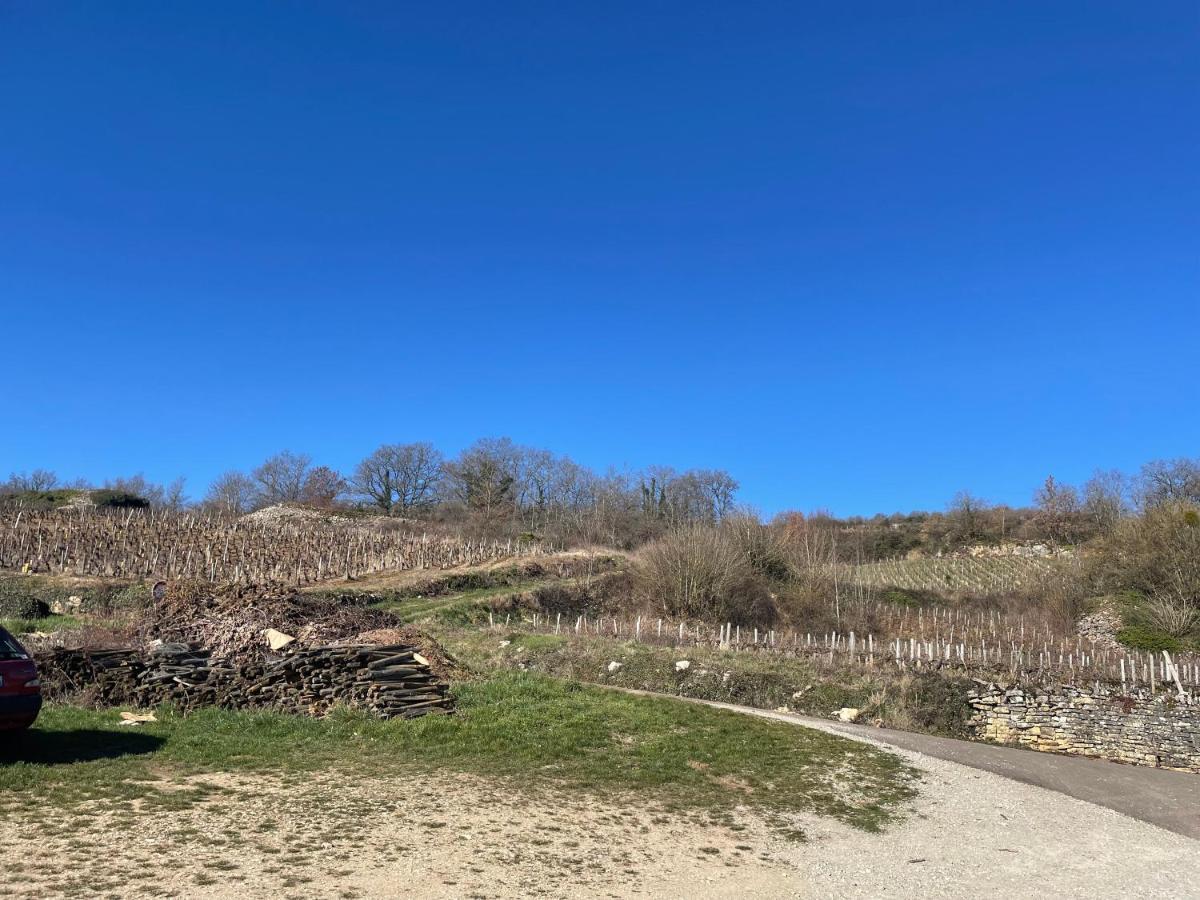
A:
(46, 624)
(927, 703)
(533, 731)
(456, 606)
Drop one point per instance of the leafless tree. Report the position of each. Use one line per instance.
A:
(232, 493)
(1170, 481)
(1106, 499)
(1058, 510)
(322, 487)
(399, 477)
(138, 486)
(702, 495)
(484, 477)
(280, 478)
(37, 480)
(967, 513)
(174, 495)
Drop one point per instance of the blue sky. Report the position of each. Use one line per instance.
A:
(860, 255)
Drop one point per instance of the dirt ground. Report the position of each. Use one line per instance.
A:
(420, 835)
(440, 835)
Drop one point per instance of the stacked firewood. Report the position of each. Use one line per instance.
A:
(93, 677)
(389, 681)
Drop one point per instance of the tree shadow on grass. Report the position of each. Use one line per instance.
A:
(57, 748)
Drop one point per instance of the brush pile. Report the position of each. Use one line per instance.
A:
(230, 620)
(201, 646)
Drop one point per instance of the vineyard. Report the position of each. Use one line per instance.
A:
(159, 544)
(959, 574)
(983, 645)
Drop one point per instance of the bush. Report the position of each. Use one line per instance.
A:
(22, 606)
(1145, 637)
(40, 500)
(1171, 615)
(698, 572)
(938, 704)
(762, 546)
(1157, 555)
(119, 500)
(909, 598)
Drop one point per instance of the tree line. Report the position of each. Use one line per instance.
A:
(495, 487)
(498, 488)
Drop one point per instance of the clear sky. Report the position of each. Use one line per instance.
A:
(861, 255)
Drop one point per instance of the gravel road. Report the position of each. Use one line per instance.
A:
(973, 832)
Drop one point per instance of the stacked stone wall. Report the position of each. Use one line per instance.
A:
(1161, 730)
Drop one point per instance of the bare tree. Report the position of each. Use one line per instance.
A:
(721, 488)
(399, 477)
(280, 478)
(232, 493)
(1170, 481)
(966, 513)
(1106, 499)
(174, 496)
(1058, 510)
(37, 480)
(322, 487)
(484, 477)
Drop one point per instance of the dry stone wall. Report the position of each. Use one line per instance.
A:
(1160, 730)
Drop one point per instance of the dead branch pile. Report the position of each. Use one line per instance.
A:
(230, 620)
(389, 681)
(169, 545)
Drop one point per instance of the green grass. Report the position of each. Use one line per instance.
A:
(537, 732)
(926, 703)
(465, 606)
(46, 624)
(1146, 637)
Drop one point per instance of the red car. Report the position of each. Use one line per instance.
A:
(20, 689)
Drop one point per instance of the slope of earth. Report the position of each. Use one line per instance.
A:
(465, 593)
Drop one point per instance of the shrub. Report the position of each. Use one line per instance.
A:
(762, 546)
(134, 597)
(1157, 554)
(698, 572)
(107, 499)
(938, 704)
(1171, 615)
(40, 500)
(22, 606)
(901, 597)
(1144, 637)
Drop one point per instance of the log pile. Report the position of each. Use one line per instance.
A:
(389, 681)
(92, 677)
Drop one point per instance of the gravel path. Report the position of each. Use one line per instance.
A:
(974, 832)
